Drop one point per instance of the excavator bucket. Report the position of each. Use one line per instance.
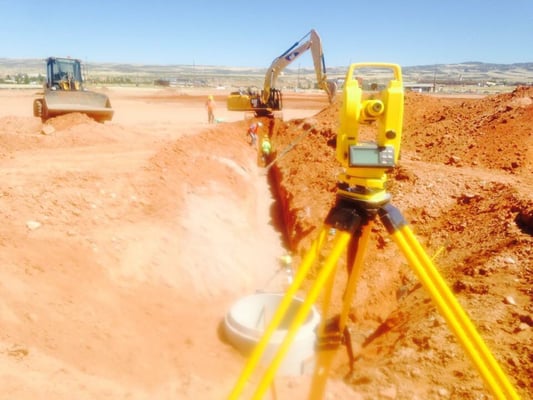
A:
(59, 102)
(331, 90)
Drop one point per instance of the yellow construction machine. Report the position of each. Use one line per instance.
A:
(64, 93)
(270, 99)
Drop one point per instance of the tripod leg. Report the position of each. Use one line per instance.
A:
(340, 242)
(447, 304)
(261, 346)
(281, 311)
(355, 257)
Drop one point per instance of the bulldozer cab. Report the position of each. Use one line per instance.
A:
(63, 74)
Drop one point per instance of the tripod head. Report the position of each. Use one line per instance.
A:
(365, 105)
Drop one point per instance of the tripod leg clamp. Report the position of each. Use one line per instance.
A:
(391, 218)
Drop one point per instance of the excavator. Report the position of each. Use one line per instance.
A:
(270, 99)
(63, 93)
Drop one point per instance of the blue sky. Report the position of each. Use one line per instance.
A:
(251, 34)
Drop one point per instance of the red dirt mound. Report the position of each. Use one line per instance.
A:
(494, 132)
(465, 186)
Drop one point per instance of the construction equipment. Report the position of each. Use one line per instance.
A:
(361, 198)
(270, 98)
(64, 93)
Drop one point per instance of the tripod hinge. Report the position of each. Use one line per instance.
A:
(391, 218)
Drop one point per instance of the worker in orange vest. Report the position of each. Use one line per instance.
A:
(210, 107)
(252, 132)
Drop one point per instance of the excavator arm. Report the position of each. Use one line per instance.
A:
(312, 42)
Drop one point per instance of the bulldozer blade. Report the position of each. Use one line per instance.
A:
(95, 105)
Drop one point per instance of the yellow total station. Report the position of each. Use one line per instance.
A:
(366, 163)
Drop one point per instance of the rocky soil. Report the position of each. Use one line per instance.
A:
(125, 243)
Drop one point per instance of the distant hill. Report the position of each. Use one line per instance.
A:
(521, 73)
(465, 73)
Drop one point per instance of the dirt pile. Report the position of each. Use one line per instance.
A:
(494, 132)
(465, 186)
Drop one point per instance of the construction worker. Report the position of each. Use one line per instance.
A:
(210, 107)
(252, 132)
(266, 148)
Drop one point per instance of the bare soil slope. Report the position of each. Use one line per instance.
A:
(465, 185)
(125, 243)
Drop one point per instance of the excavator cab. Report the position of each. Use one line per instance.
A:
(249, 100)
(63, 93)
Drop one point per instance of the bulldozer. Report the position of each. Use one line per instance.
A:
(63, 93)
(270, 99)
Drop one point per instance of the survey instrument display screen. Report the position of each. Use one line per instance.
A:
(371, 155)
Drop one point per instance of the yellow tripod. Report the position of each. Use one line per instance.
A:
(361, 199)
(352, 223)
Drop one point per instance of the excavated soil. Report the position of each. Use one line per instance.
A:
(125, 243)
(465, 185)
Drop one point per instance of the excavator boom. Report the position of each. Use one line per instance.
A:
(313, 43)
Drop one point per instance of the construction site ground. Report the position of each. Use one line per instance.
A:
(124, 245)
